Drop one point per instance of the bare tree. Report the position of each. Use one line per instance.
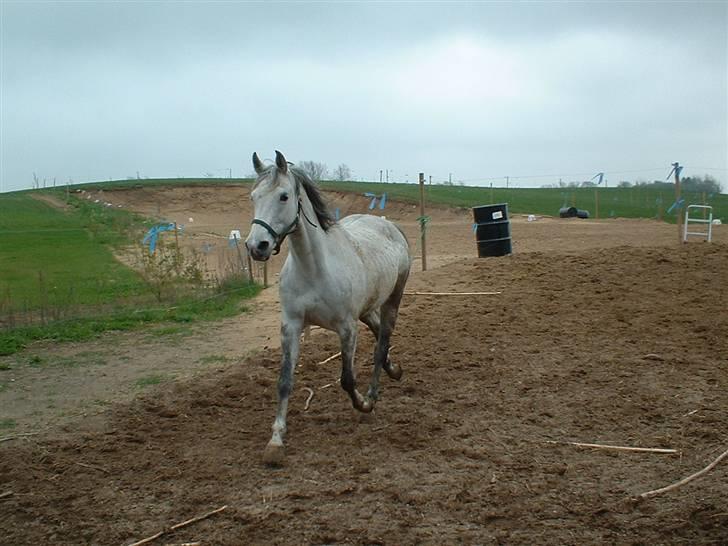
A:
(317, 171)
(342, 172)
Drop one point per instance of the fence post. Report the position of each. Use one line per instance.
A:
(250, 268)
(237, 248)
(676, 167)
(423, 243)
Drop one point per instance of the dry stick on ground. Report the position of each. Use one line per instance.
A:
(452, 293)
(6, 494)
(21, 435)
(690, 478)
(329, 359)
(329, 385)
(178, 526)
(618, 448)
(92, 467)
(308, 400)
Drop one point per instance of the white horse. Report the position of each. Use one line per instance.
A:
(336, 274)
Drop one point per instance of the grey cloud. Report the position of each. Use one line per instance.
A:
(92, 90)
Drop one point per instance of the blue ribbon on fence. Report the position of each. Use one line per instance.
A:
(676, 205)
(151, 237)
(374, 198)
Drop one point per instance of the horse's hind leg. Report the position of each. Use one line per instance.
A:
(373, 321)
(387, 318)
(388, 314)
(347, 335)
(290, 342)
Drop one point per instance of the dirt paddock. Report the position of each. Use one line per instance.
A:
(604, 332)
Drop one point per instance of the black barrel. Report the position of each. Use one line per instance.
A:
(582, 213)
(492, 230)
(568, 212)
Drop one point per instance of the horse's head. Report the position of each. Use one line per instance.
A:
(276, 207)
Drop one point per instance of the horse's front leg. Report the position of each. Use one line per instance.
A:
(347, 335)
(290, 340)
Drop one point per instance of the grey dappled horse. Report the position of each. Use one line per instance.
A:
(336, 274)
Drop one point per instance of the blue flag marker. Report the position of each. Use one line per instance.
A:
(676, 205)
(376, 198)
(151, 237)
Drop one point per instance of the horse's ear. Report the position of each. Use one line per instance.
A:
(281, 162)
(257, 163)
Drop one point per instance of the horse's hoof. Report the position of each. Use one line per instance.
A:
(274, 454)
(366, 405)
(394, 372)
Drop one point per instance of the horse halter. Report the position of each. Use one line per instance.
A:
(279, 238)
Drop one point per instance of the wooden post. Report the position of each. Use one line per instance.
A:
(265, 274)
(596, 203)
(250, 268)
(240, 256)
(422, 222)
(491, 193)
(676, 167)
(177, 257)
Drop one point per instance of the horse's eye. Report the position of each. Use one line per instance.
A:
(284, 197)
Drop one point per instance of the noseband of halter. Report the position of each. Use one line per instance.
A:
(280, 237)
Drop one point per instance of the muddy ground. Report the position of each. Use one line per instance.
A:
(604, 332)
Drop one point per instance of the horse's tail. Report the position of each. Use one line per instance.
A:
(409, 247)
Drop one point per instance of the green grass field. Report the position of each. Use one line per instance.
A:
(613, 202)
(59, 279)
(635, 202)
(52, 255)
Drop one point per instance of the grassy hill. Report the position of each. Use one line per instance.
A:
(633, 202)
(613, 202)
(48, 254)
(59, 278)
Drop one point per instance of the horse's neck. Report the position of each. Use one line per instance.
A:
(308, 244)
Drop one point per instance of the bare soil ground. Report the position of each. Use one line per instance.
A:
(605, 331)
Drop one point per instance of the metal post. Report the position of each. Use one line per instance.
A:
(596, 203)
(423, 243)
(676, 166)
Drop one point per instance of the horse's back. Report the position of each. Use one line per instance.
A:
(383, 258)
(375, 236)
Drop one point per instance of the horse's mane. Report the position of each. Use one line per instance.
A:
(323, 214)
(320, 207)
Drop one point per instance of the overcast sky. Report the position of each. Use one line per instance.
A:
(99, 90)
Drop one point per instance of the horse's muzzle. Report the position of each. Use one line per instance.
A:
(260, 251)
